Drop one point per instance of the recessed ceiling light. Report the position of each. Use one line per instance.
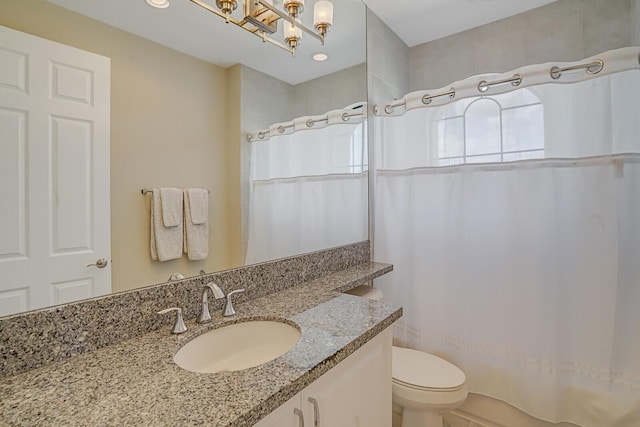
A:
(320, 57)
(160, 4)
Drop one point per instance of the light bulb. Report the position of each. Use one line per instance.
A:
(323, 16)
(291, 32)
(292, 35)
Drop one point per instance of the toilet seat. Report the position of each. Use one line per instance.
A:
(422, 388)
(422, 380)
(423, 371)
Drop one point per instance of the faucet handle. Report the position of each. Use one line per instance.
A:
(228, 307)
(179, 327)
(215, 289)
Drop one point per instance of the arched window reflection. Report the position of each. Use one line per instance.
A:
(500, 128)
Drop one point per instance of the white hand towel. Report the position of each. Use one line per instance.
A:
(196, 230)
(198, 205)
(171, 199)
(166, 242)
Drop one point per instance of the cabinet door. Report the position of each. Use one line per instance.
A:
(357, 392)
(287, 415)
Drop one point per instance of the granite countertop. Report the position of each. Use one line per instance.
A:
(136, 382)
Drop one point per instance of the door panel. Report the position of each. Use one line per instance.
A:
(71, 83)
(15, 299)
(13, 163)
(71, 177)
(72, 290)
(13, 70)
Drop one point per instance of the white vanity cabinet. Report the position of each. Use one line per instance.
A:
(355, 393)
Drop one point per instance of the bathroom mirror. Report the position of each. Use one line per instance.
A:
(185, 90)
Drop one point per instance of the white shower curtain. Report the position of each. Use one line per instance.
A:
(309, 191)
(524, 274)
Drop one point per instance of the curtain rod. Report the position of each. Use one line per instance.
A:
(304, 123)
(617, 60)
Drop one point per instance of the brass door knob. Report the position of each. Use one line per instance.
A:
(100, 263)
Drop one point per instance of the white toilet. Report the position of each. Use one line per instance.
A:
(424, 386)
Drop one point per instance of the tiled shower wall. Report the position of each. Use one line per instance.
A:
(566, 30)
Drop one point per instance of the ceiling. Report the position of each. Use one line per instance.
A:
(186, 27)
(190, 29)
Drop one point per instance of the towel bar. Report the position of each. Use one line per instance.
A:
(148, 190)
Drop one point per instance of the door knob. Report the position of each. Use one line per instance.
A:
(100, 263)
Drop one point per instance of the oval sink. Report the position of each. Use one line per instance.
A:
(237, 346)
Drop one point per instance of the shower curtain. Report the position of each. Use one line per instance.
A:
(309, 190)
(525, 274)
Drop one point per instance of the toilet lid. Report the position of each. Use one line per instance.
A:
(418, 369)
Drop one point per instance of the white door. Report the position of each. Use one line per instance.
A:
(54, 173)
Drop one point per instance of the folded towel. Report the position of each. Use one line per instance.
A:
(198, 205)
(166, 242)
(171, 199)
(196, 221)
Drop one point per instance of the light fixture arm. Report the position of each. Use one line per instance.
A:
(217, 12)
(274, 42)
(261, 34)
(260, 28)
(293, 22)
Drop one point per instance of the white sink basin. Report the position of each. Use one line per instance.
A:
(237, 346)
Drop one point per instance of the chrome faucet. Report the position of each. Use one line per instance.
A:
(205, 315)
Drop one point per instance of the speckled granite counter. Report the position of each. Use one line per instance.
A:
(136, 381)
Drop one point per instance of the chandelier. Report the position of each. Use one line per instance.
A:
(260, 17)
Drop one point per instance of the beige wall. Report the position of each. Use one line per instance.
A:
(168, 128)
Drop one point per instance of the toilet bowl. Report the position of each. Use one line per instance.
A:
(424, 386)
